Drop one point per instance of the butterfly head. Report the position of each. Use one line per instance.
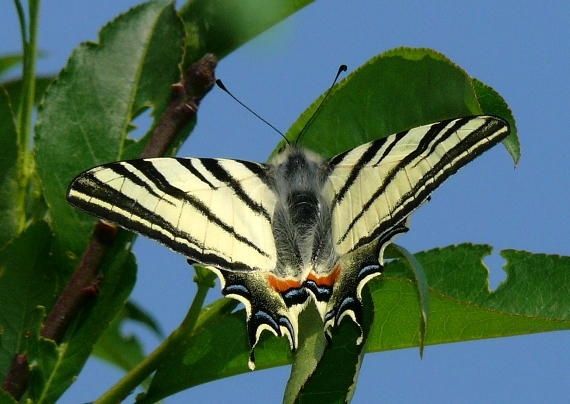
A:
(293, 161)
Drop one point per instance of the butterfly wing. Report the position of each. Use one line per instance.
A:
(375, 187)
(216, 212)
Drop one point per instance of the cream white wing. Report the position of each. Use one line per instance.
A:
(375, 187)
(214, 211)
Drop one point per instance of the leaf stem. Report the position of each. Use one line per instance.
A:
(26, 108)
(187, 94)
(135, 377)
(16, 380)
(423, 291)
(22, 19)
(197, 80)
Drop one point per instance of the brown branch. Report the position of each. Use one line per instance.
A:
(16, 381)
(83, 284)
(185, 99)
(86, 279)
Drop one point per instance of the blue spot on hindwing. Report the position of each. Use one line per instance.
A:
(368, 270)
(237, 290)
(261, 317)
(344, 306)
(295, 296)
(284, 321)
(322, 293)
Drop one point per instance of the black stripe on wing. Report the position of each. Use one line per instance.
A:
(362, 162)
(216, 169)
(475, 144)
(121, 170)
(188, 164)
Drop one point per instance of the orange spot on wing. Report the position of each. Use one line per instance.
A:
(328, 280)
(282, 285)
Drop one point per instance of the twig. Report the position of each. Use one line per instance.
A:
(186, 97)
(83, 284)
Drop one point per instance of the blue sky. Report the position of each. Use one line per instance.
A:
(522, 49)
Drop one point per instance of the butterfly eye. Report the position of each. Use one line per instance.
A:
(281, 149)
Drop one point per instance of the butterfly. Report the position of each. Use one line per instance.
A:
(298, 229)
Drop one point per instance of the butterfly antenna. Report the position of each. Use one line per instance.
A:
(341, 69)
(223, 87)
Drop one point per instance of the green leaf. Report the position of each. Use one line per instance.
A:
(14, 89)
(218, 349)
(119, 274)
(27, 279)
(493, 104)
(133, 311)
(125, 352)
(6, 398)
(84, 121)
(221, 26)
(35, 205)
(423, 291)
(312, 345)
(214, 312)
(397, 90)
(533, 298)
(8, 62)
(86, 115)
(121, 350)
(11, 209)
(43, 357)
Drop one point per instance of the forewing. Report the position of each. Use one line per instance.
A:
(215, 212)
(376, 186)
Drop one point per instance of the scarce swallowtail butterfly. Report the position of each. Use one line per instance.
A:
(298, 229)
